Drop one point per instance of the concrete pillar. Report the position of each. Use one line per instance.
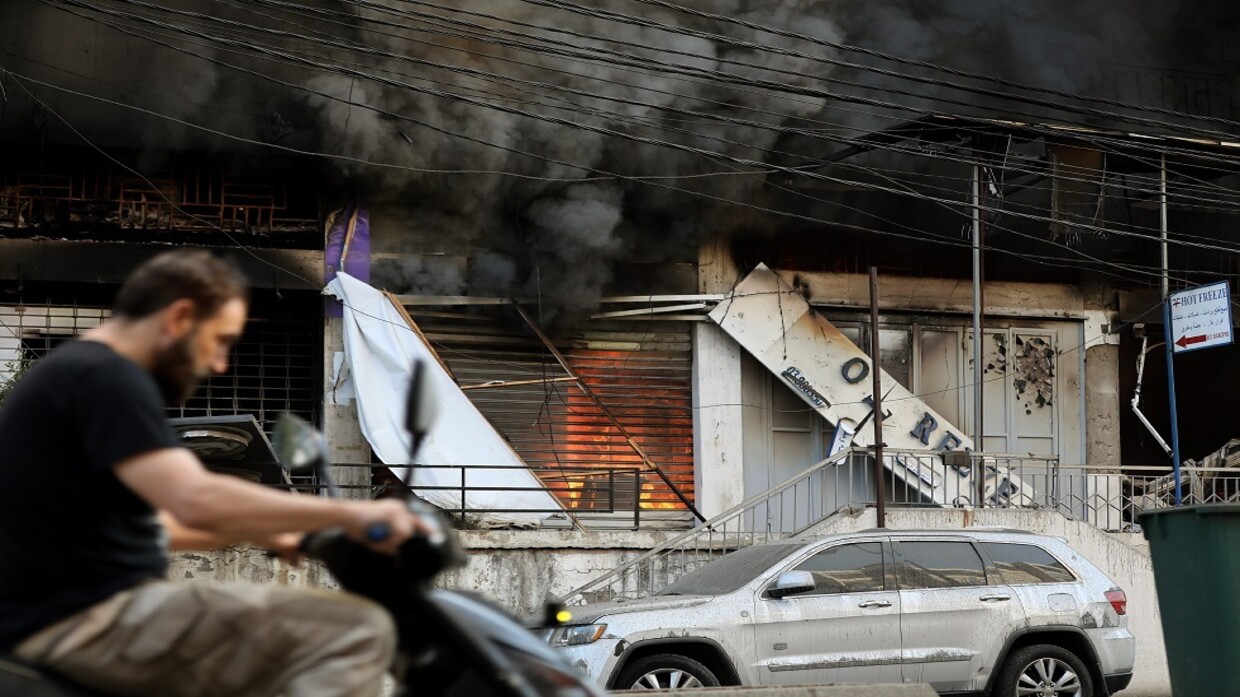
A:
(1102, 406)
(717, 426)
(1103, 401)
(345, 442)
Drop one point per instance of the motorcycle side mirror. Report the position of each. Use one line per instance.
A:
(298, 446)
(420, 406)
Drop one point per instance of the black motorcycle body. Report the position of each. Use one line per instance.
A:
(452, 644)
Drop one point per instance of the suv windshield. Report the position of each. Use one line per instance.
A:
(731, 572)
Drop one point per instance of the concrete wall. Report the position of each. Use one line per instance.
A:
(1103, 401)
(341, 427)
(718, 463)
(517, 568)
(245, 565)
(520, 569)
(1102, 406)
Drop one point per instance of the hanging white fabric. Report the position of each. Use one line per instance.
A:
(379, 348)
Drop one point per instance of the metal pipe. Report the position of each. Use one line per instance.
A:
(1136, 395)
(1162, 226)
(513, 383)
(1175, 431)
(978, 432)
(877, 371)
(1167, 338)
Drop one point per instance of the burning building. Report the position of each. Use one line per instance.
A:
(562, 198)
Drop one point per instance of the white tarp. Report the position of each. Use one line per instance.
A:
(379, 349)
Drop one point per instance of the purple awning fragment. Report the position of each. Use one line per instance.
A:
(355, 260)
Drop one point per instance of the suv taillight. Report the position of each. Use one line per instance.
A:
(1119, 601)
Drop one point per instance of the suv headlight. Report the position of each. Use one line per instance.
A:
(575, 635)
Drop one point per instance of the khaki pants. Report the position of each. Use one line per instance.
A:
(196, 640)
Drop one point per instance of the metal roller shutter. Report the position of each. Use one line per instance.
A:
(276, 367)
(641, 372)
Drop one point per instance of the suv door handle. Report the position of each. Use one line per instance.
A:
(994, 598)
(874, 603)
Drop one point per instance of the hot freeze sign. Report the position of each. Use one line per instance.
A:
(1200, 317)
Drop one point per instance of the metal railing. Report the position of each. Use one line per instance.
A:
(802, 503)
(1100, 496)
(610, 496)
(1103, 497)
(774, 514)
(1112, 501)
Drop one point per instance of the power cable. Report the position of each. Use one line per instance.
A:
(923, 237)
(871, 230)
(544, 85)
(640, 21)
(759, 125)
(639, 139)
(637, 60)
(237, 244)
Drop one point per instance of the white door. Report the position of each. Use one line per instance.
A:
(783, 437)
(953, 619)
(1031, 384)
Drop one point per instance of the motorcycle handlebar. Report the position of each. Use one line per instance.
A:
(435, 547)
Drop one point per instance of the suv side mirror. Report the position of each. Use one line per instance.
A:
(792, 583)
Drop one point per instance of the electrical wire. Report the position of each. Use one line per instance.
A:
(937, 67)
(653, 141)
(759, 125)
(250, 251)
(922, 235)
(1052, 263)
(1007, 96)
(681, 67)
(754, 124)
(590, 95)
(690, 133)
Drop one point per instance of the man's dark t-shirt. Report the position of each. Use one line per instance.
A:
(71, 534)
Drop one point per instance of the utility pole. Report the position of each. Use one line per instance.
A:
(979, 431)
(880, 490)
(1167, 338)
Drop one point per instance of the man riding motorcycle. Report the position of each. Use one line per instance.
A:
(95, 488)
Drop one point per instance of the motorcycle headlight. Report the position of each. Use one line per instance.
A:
(575, 635)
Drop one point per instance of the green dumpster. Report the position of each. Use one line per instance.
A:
(1196, 556)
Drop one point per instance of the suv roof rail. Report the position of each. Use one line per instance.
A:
(941, 531)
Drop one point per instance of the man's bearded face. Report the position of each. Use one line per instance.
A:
(176, 372)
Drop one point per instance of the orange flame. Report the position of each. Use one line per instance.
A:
(657, 416)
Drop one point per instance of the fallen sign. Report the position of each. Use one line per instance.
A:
(829, 372)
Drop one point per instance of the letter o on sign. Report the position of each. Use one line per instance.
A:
(850, 372)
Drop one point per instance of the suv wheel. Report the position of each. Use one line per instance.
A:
(1044, 670)
(666, 671)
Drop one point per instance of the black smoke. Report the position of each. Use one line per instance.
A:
(471, 199)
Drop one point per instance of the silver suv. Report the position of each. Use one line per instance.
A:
(998, 612)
